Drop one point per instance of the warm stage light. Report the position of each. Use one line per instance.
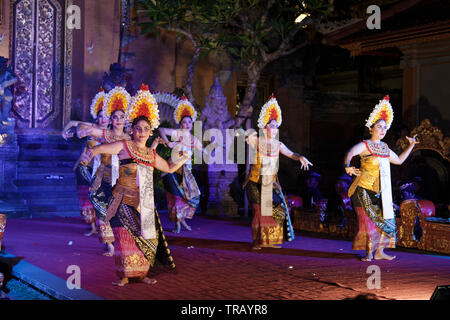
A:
(301, 17)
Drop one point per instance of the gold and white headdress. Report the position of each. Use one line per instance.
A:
(97, 103)
(183, 109)
(144, 104)
(383, 110)
(117, 99)
(270, 111)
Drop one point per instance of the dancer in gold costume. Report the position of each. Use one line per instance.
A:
(371, 189)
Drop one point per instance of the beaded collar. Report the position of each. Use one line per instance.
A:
(92, 138)
(377, 149)
(270, 149)
(108, 136)
(147, 159)
(180, 140)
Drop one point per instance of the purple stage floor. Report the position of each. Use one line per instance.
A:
(214, 261)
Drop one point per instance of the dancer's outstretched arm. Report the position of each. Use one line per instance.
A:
(107, 148)
(169, 167)
(295, 156)
(89, 129)
(394, 159)
(168, 132)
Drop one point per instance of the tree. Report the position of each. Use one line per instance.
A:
(258, 32)
(253, 32)
(187, 18)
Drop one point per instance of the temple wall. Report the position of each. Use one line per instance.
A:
(426, 70)
(4, 28)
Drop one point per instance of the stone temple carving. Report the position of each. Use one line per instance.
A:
(215, 114)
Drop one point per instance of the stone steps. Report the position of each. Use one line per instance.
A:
(45, 179)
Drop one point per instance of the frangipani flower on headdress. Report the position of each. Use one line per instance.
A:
(383, 110)
(97, 103)
(270, 111)
(184, 108)
(116, 99)
(144, 104)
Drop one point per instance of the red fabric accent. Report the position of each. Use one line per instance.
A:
(83, 197)
(104, 231)
(129, 260)
(295, 201)
(427, 208)
(369, 236)
(178, 208)
(262, 226)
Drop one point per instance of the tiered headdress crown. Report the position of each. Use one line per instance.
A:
(144, 104)
(270, 111)
(97, 103)
(383, 110)
(183, 109)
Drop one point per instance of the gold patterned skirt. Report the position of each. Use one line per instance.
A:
(134, 255)
(266, 230)
(373, 230)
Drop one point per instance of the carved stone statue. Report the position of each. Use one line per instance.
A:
(7, 79)
(215, 114)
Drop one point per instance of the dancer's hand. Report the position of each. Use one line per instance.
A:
(67, 134)
(83, 131)
(412, 141)
(87, 156)
(156, 142)
(305, 163)
(171, 144)
(352, 171)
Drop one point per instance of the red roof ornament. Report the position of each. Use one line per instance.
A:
(386, 97)
(144, 87)
(183, 98)
(272, 96)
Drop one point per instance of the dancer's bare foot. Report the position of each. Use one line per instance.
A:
(110, 251)
(256, 248)
(381, 255)
(90, 233)
(186, 226)
(276, 246)
(121, 282)
(369, 257)
(147, 280)
(177, 228)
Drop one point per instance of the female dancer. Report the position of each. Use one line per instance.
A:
(84, 173)
(116, 105)
(182, 192)
(370, 191)
(271, 222)
(139, 237)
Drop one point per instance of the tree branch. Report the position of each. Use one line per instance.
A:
(264, 17)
